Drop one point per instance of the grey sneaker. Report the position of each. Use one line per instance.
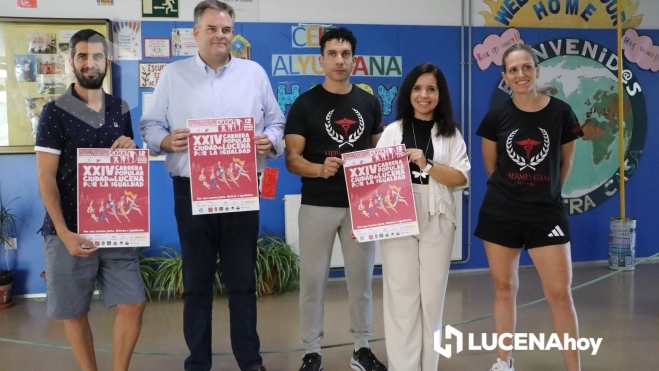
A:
(364, 360)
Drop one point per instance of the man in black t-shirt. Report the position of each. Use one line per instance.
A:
(332, 118)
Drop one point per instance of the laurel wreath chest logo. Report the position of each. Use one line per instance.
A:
(346, 123)
(528, 145)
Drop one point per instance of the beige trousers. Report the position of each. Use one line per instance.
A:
(415, 273)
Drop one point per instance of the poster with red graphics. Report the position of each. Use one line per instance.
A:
(26, 4)
(223, 175)
(380, 193)
(113, 196)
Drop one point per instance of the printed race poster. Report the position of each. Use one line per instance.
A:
(183, 42)
(380, 193)
(223, 176)
(113, 196)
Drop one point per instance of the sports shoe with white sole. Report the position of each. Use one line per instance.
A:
(501, 365)
(364, 360)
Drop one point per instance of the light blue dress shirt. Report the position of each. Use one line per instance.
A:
(189, 89)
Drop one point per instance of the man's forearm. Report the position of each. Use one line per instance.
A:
(166, 144)
(276, 135)
(296, 164)
(51, 199)
(153, 136)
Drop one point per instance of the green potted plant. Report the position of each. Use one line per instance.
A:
(7, 227)
(277, 266)
(168, 272)
(165, 273)
(277, 269)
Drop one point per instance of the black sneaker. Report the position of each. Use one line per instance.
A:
(312, 362)
(364, 360)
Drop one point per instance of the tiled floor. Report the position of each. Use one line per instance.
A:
(623, 310)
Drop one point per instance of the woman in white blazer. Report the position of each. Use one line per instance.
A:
(416, 268)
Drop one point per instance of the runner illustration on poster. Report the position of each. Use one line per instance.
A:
(223, 174)
(379, 187)
(113, 196)
(111, 207)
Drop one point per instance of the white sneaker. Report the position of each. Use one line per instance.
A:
(501, 365)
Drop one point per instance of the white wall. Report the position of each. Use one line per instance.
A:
(415, 12)
(421, 12)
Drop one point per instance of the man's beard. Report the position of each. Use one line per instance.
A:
(88, 82)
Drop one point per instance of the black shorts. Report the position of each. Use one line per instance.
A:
(517, 233)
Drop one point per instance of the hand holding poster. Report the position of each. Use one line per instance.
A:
(380, 193)
(113, 196)
(222, 165)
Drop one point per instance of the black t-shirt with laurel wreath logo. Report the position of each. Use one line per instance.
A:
(526, 183)
(332, 124)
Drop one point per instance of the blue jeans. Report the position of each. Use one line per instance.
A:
(234, 237)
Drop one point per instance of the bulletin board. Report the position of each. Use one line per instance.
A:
(34, 53)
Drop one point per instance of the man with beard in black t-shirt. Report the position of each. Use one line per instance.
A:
(333, 118)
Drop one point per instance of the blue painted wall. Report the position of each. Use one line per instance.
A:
(416, 44)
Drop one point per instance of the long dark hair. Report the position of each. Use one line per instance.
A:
(442, 114)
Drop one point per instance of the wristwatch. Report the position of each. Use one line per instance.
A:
(427, 168)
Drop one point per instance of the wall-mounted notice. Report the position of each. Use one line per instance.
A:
(183, 42)
(150, 74)
(127, 40)
(156, 48)
(246, 10)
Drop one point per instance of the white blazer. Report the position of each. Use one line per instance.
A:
(451, 152)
